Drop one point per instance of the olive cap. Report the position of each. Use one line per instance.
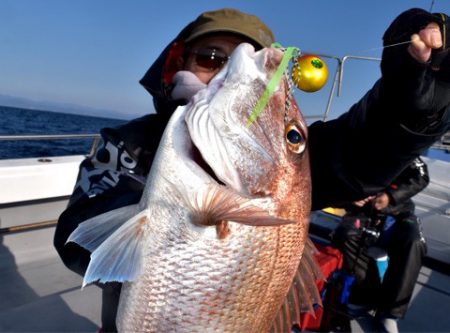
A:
(234, 21)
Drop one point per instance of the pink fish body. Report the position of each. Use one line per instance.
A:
(216, 240)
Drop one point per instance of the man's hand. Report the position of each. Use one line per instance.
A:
(425, 41)
(362, 202)
(381, 201)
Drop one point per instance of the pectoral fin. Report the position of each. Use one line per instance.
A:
(115, 244)
(217, 204)
(119, 257)
(93, 232)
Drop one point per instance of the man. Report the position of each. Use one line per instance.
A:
(115, 176)
(380, 225)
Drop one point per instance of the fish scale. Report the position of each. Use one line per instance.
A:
(176, 281)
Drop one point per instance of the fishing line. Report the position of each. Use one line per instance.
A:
(384, 47)
(431, 7)
(290, 53)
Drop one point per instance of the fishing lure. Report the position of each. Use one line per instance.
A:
(309, 73)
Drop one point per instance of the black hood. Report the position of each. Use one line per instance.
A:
(158, 79)
(153, 81)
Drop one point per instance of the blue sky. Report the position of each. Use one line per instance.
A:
(93, 52)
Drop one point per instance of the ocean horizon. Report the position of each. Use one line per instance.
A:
(21, 121)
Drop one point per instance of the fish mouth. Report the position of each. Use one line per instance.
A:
(198, 159)
(196, 155)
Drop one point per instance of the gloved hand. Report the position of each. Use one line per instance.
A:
(425, 41)
(441, 57)
(416, 70)
(430, 40)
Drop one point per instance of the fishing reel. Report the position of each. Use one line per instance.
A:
(309, 73)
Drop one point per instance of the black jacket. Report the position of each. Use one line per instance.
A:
(353, 156)
(412, 180)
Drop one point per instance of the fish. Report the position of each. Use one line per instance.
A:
(215, 243)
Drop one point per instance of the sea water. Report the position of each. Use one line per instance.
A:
(17, 121)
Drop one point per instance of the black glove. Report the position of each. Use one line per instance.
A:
(400, 31)
(405, 25)
(418, 92)
(440, 59)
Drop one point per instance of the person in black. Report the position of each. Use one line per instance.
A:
(379, 226)
(409, 105)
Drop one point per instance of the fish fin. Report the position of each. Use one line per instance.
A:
(218, 204)
(118, 258)
(303, 294)
(93, 232)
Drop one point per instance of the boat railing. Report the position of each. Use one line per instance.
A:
(442, 146)
(28, 227)
(336, 90)
(336, 87)
(95, 138)
(50, 223)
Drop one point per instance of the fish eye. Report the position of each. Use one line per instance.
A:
(294, 138)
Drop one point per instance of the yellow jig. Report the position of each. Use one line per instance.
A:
(309, 73)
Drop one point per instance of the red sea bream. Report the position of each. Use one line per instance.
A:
(215, 243)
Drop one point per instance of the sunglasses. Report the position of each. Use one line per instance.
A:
(210, 59)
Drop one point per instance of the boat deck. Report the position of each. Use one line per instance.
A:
(39, 294)
(430, 305)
